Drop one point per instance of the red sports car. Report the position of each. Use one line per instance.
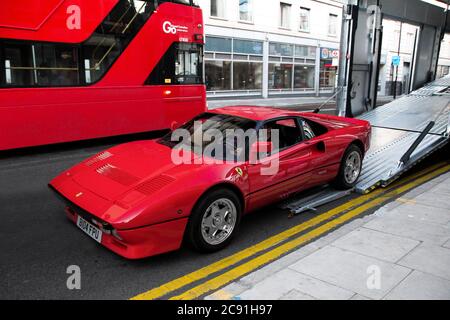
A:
(144, 198)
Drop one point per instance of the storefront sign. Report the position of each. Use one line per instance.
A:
(327, 53)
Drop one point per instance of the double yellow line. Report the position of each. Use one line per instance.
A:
(352, 208)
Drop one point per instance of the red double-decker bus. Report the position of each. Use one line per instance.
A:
(81, 69)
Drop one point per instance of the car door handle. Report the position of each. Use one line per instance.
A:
(319, 145)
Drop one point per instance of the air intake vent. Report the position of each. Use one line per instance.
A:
(151, 186)
(102, 156)
(117, 175)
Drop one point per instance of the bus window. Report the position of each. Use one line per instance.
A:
(113, 36)
(182, 64)
(56, 65)
(17, 61)
(29, 65)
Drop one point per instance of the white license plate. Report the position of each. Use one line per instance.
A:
(89, 229)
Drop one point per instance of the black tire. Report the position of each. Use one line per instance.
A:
(194, 235)
(341, 181)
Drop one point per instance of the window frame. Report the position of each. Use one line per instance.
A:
(308, 10)
(332, 16)
(250, 12)
(224, 4)
(288, 26)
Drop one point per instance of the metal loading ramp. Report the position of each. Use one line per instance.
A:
(405, 131)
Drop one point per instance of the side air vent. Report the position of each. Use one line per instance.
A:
(151, 186)
(100, 157)
(117, 175)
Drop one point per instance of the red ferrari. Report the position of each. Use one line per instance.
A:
(139, 200)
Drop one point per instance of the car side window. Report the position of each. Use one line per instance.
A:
(308, 131)
(289, 132)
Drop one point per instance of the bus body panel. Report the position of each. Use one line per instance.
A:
(52, 20)
(119, 102)
(56, 115)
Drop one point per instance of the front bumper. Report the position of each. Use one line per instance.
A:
(135, 243)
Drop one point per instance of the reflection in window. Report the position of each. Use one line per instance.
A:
(245, 10)
(247, 76)
(218, 75)
(280, 76)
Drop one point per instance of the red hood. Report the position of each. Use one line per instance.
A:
(118, 170)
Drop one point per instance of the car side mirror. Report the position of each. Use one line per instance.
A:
(260, 147)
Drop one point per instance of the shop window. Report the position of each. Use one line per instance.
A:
(214, 44)
(248, 47)
(304, 77)
(218, 75)
(281, 49)
(247, 76)
(305, 52)
(280, 76)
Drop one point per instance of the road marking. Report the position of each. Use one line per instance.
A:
(227, 262)
(285, 248)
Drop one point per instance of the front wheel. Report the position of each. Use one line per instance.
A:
(351, 167)
(214, 221)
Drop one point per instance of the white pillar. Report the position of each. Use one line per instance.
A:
(265, 84)
(317, 76)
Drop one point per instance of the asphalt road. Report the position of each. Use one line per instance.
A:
(38, 243)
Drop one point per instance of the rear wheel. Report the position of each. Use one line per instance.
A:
(351, 167)
(214, 221)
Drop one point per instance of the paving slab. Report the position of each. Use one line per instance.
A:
(282, 283)
(431, 259)
(421, 286)
(376, 244)
(351, 271)
(410, 228)
(409, 209)
(431, 200)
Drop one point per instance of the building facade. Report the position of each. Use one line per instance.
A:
(271, 48)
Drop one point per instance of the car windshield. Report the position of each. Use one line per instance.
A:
(219, 136)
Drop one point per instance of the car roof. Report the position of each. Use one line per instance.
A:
(255, 113)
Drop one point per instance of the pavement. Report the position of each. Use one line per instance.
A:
(298, 103)
(402, 251)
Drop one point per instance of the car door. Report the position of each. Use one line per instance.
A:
(323, 170)
(291, 166)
